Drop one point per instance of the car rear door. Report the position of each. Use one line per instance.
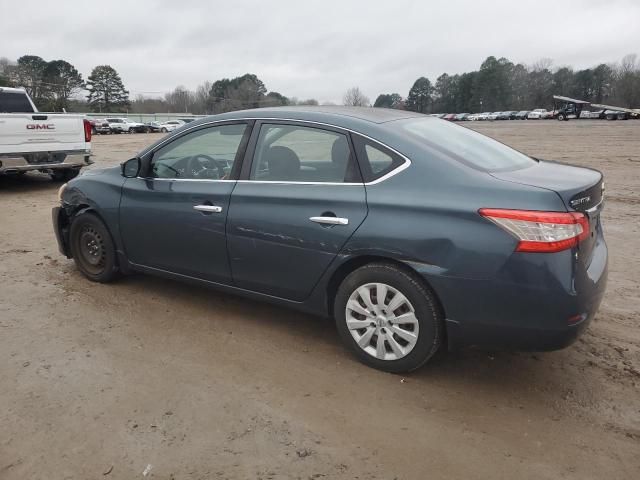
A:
(173, 217)
(299, 200)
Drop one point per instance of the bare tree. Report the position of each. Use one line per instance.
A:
(355, 98)
(180, 99)
(202, 100)
(542, 64)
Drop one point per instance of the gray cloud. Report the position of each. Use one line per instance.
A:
(315, 48)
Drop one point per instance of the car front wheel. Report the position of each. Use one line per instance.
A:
(92, 248)
(388, 317)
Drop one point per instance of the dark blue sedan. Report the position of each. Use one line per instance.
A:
(410, 231)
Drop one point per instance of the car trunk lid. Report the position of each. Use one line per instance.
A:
(581, 190)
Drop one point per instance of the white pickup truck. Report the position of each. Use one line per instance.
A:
(55, 143)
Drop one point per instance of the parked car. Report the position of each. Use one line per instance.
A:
(483, 116)
(522, 115)
(508, 115)
(154, 126)
(493, 115)
(170, 125)
(450, 116)
(55, 143)
(616, 115)
(539, 114)
(319, 211)
(461, 117)
(124, 125)
(100, 126)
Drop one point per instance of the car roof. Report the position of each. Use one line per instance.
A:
(346, 117)
(13, 90)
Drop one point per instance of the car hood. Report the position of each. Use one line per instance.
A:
(100, 171)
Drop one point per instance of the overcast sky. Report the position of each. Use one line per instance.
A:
(314, 48)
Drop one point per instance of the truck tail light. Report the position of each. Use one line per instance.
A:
(87, 130)
(540, 231)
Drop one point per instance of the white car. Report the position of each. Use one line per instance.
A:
(170, 125)
(539, 114)
(493, 115)
(124, 125)
(55, 143)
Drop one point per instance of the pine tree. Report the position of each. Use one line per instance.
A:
(106, 90)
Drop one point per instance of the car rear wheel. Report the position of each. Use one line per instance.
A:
(388, 317)
(92, 248)
(164, 130)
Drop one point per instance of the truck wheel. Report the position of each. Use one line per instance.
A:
(164, 130)
(131, 130)
(64, 175)
(388, 317)
(92, 248)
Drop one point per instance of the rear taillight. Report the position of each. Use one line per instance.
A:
(87, 130)
(540, 231)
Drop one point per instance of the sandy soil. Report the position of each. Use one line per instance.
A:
(110, 381)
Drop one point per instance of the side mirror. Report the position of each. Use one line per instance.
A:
(131, 168)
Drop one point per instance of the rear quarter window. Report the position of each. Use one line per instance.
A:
(375, 160)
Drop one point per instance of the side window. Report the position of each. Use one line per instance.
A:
(291, 153)
(207, 154)
(375, 160)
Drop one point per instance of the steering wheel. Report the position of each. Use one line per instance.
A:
(204, 166)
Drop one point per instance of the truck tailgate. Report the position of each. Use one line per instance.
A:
(41, 132)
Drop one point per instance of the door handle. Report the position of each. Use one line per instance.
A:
(330, 220)
(208, 208)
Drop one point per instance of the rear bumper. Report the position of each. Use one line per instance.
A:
(540, 304)
(16, 164)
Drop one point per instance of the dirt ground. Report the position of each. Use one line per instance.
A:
(153, 376)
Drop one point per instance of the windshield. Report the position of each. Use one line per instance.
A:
(465, 145)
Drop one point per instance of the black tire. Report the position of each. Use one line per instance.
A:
(425, 307)
(164, 130)
(561, 117)
(64, 175)
(92, 248)
(131, 131)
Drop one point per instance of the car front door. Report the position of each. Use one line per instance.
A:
(173, 217)
(297, 203)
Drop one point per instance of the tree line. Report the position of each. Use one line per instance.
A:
(501, 85)
(497, 85)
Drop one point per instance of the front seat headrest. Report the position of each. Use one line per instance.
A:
(283, 164)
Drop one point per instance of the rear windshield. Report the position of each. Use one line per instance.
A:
(465, 145)
(14, 103)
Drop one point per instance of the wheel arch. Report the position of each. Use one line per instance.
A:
(353, 263)
(86, 208)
